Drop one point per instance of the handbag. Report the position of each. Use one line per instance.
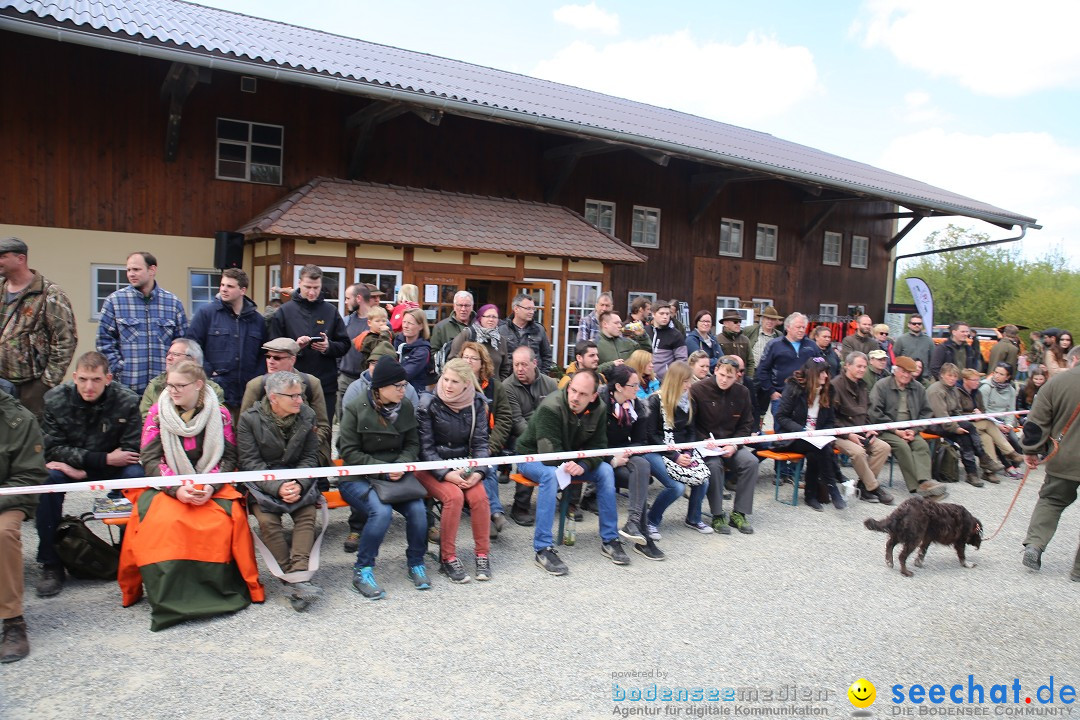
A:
(391, 492)
(696, 473)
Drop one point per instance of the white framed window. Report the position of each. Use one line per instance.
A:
(249, 152)
(275, 282)
(860, 251)
(580, 301)
(827, 312)
(203, 287)
(333, 285)
(389, 281)
(766, 242)
(104, 281)
(602, 215)
(646, 227)
(731, 237)
(832, 248)
(760, 304)
(634, 295)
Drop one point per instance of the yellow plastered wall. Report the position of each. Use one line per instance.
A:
(66, 256)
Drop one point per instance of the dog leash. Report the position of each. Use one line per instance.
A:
(1056, 445)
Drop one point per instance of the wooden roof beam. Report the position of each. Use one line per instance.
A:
(818, 221)
(915, 219)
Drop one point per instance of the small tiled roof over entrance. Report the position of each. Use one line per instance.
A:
(363, 212)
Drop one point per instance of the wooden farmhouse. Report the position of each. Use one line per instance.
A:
(155, 124)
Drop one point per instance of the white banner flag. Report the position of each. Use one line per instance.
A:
(924, 301)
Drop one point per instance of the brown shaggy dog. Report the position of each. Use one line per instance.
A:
(919, 522)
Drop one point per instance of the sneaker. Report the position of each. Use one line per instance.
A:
(720, 524)
(884, 496)
(653, 532)
(352, 542)
(364, 583)
(51, 582)
(547, 559)
(454, 570)
(974, 480)
(649, 551)
(1033, 557)
(418, 575)
(740, 523)
(614, 550)
(702, 527)
(632, 532)
(305, 591)
(1014, 473)
(14, 645)
(483, 568)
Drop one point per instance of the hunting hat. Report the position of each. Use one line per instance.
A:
(283, 344)
(730, 314)
(877, 355)
(904, 363)
(770, 312)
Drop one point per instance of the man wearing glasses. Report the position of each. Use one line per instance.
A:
(915, 343)
(448, 329)
(523, 331)
(180, 351)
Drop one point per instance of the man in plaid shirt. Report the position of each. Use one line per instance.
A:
(138, 324)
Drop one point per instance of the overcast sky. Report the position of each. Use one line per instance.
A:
(976, 97)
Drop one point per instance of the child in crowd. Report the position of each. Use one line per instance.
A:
(378, 331)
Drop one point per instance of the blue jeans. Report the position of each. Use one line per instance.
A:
(491, 487)
(543, 474)
(673, 490)
(50, 509)
(358, 494)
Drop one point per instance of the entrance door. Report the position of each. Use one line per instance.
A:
(546, 297)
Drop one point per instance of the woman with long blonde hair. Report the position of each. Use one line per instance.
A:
(640, 361)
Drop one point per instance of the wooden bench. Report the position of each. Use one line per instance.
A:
(564, 501)
(779, 458)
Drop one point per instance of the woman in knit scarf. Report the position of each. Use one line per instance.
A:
(453, 425)
(485, 331)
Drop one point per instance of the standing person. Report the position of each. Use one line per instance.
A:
(22, 464)
(915, 343)
(956, 350)
(640, 315)
(486, 331)
(380, 427)
(317, 328)
(822, 337)
(733, 341)
(526, 390)
(37, 328)
(590, 324)
(1053, 408)
(1026, 397)
(867, 451)
(138, 323)
(358, 300)
(522, 331)
(722, 410)
(668, 344)
(414, 349)
(91, 432)
(1065, 341)
(453, 424)
(446, 330)
(408, 298)
(862, 340)
(1053, 356)
(574, 418)
(1036, 350)
(612, 348)
(1007, 349)
(702, 338)
(231, 332)
(760, 335)
(181, 350)
(783, 357)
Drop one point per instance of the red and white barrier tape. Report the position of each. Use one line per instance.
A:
(359, 470)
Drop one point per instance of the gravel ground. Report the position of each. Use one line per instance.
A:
(806, 601)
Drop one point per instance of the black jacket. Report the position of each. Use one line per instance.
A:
(791, 415)
(946, 352)
(447, 434)
(81, 434)
(683, 431)
(532, 335)
(300, 317)
(637, 433)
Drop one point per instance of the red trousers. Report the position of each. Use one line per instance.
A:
(453, 501)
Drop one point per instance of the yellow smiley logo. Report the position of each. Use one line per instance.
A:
(862, 693)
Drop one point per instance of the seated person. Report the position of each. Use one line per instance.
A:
(995, 394)
(945, 400)
(640, 361)
(868, 453)
(188, 545)
(453, 424)
(574, 418)
(91, 431)
(181, 349)
(525, 389)
(279, 432)
(500, 423)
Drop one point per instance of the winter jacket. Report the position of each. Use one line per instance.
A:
(22, 455)
(856, 342)
(682, 428)
(995, 401)
(850, 402)
(963, 357)
(447, 330)
(612, 349)
(261, 445)
(721, 413)
(945, 401)
(414, 357)
(135, 332)
(81, 434)
(553, 428)
(313, 398)
(300, 317)
(668, 345)
(780, 360)
(532, 335)
(500, 415)
(1054, 405)
(794, 409)
(152, 453)
(730, 344)
(885, 401)
(362, 384)
(157, 386)
(446, 434)
(917, 346)
(1004, 351)
(231, 343)
(37, 333)
(367, 438)
(524, 399)
(621, 435)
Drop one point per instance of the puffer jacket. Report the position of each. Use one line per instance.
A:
(22, 455)
(366, 438)
(261, 445)
(82, 434)
(232, 345)
(446, 434)
(37, 333)
(683, 430)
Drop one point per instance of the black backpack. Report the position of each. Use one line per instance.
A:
(945, 465)
(84, 554)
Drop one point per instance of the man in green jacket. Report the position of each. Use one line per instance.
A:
(22, 462)
(611, 346)
(1055, 404)
(447, 330)
(574, 418)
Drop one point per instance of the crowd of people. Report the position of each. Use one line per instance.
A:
(236, 390)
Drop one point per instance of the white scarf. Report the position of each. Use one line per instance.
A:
(207, 423)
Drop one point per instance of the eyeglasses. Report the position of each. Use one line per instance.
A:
(292, 396)
(177, 387)
(489, 317)
(470, 358)
(632, 385)
(400, 385)
(278, 358)
(883, 333)
(526, 308)
(174, 355)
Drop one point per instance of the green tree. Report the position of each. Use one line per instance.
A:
(1047, 297)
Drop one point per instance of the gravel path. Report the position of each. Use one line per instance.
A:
(806, 601)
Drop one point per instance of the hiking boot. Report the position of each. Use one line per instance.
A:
(883, 496)
(866, 495)
(305, 591)
(364, 583)
(974, 480)
(632, 531)
(615, 551)
(418, 575)
(741, 523)
(652, 532)
(547, 559)
(15, 645)
(813, 503)
(454, 570)
(931, 489)
(51, 582)
(498, 521)
(990, 476)
(720, 524)
(524, 518)
(1033, 557)
(483, 568)
(991, 464)
(650, 551)
(352, 542)
(701, 527)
